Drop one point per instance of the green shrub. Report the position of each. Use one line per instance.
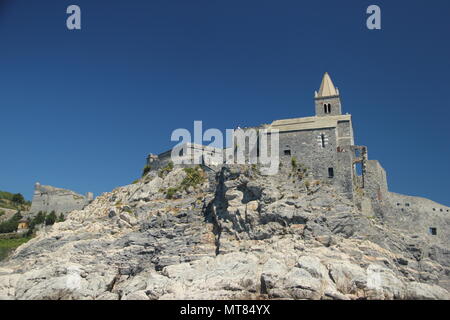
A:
(294, 163)
(11, 224)
(50, 219)
(18, 199)
(194, 177)
(61, 218)
(168, 168)
(39, 218)
(171, 192)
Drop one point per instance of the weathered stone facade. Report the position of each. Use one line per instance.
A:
(48, 198)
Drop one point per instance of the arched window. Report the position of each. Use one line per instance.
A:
(329, 108)
(325, 109)
(322, 140)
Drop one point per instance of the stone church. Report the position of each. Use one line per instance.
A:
(325, 144)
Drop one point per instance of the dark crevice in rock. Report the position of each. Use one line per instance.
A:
(110, 286)
(263, 289)
(217, 205)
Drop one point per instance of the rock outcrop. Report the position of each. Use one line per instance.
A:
(233, 235)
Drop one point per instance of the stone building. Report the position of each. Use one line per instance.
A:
(48, 198)
(23, 225)
(325, 145)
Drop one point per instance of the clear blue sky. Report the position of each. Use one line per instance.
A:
(82, 109)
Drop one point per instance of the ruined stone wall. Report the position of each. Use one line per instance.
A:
(203, 154)
(411, 213)
(375, 181)
(48, 198)
(344, 174)
(418, 215)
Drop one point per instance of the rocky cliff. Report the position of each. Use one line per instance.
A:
(229, 233)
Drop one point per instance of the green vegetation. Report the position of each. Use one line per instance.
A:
(255, 169)
(163, 171)
(11, 224)
(294, 163)
(194, 177)
(127, 210)
(298, 170)
(14, 201)
(61, 218)
(38, 219)
(9, 245)
(44, 218)
(171, 192)
(18, 199)
(51, 218)
(146, 169)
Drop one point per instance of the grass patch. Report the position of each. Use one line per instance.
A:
(9, 245)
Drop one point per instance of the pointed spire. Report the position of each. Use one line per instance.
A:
(327, 88)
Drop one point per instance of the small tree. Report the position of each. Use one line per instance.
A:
(61, 218)
(39, 219)
(11, 224)
(51, 218)
(18, 199)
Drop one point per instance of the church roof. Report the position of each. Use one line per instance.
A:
(308, 123)
(327, 88)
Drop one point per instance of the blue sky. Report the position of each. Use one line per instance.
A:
(82, 109)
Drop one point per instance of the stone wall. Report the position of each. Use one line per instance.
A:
(418, 216)
(375, 181)
(48, 198)
(306, 147)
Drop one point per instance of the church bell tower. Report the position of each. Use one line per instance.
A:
(327, 100)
